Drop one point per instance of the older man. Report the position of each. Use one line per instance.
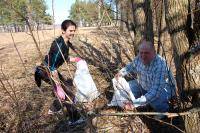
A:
(155, 84)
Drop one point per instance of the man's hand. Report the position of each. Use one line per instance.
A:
(128, 106)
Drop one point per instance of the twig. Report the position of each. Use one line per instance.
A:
(169, 115)
(15, 99)
(19, 54)
(53, 18)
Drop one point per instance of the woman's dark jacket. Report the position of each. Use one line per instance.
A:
(54, 59)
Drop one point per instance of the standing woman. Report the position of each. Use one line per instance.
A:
(58, 54)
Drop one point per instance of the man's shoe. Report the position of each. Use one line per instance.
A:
(79, 121)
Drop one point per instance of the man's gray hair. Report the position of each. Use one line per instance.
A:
(147, 44)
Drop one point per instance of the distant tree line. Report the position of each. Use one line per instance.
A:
(33, 10)
(89, 13)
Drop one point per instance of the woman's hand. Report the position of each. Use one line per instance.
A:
(60, 92)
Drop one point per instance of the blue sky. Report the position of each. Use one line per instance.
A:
(61, 9)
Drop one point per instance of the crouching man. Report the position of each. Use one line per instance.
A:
(155, 84)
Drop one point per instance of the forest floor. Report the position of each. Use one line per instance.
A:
(24, 106)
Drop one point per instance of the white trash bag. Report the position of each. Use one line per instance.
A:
(86, 88)
(122, 92)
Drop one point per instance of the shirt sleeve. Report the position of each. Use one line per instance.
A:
(139, 101)
(130, 67)
(158, 83)
(53, 55)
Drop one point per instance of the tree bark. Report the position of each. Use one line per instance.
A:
(149, 35)
(138, 25)
(117, 12)
(186, 59)
(122, 7)
(177, 21)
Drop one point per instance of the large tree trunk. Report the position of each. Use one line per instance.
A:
(138, 15)
(194, 14)
(177, 22)
(160, 30)
(142, 21)
(149, 20)
(187, 69)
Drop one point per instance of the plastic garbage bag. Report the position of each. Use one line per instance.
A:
(122, 92)
(86, 88)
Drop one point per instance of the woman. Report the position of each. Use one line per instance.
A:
(47, 71)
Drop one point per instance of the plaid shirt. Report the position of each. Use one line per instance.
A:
(153, 78)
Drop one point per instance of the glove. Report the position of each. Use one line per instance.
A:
(60, 92)
(77, 59)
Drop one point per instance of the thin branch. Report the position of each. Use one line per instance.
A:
(53, 18)
(14, 98)
(169, 115)
(18, 54)
(12, 89)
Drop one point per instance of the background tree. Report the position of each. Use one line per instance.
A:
(38, 12)
(86, 13)
(34, 10)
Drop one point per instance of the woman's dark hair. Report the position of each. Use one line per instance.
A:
(66, 23)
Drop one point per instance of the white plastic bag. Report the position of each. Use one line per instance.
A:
(86, 88)
(122, 92)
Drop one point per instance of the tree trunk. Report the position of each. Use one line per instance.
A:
(159, 26)
(138, 26)
(117, 12)
(196, 18)
(187, 68)
(99, 10)
(192, 123)
(122, 7)
(149, 21)
(176, 17)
